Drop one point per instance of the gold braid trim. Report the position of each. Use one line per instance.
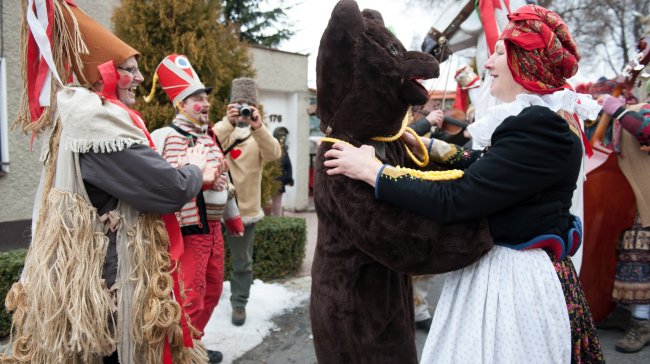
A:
(397, 172)
(425, 160)
(396, 136)
(401, 171)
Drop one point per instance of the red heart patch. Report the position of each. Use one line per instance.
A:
(235, 153)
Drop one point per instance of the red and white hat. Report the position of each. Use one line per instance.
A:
(178, 78)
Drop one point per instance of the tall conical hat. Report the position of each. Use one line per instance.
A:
(60, 39)
(178, 78)
(102, 45)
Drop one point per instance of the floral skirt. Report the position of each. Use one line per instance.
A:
(585, 345)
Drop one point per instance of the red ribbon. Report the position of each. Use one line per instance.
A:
(176, 248)
(585, 141)
(486, 11)
(461, 102)
(37, 68)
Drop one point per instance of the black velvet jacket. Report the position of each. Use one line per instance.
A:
(523, 184)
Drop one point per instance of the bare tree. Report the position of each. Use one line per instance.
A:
(605, 30)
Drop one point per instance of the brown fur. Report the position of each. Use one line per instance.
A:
(361, 303)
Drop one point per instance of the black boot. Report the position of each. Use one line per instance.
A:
(214, 356)
(424, 325)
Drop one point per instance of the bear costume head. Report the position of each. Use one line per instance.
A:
(381, 76)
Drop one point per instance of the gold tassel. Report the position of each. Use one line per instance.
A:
(152, 93)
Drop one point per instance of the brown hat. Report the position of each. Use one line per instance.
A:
(102, 45)
(244, 90)
(602, 86)
(82, 43)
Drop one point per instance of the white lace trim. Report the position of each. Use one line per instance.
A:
(581, 104)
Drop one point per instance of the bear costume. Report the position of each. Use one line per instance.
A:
(361, 296)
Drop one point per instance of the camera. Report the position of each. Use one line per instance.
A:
(244, 110)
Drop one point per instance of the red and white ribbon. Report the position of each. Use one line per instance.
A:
(39, 19)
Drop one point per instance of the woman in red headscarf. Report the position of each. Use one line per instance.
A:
(521, 302)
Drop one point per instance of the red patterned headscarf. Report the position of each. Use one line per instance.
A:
(540, 49)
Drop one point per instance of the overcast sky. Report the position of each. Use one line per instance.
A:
(310, 18)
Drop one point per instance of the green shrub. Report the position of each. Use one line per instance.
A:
(11, 264)
(279, 248)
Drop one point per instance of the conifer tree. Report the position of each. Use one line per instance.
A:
(257, 26)
(191, 27)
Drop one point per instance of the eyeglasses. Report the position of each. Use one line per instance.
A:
(132, 70)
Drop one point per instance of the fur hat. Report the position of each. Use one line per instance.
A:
(244, 90)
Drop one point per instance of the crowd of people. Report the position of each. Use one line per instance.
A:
(126, 264)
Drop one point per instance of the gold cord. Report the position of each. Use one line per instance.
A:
(396, 136)
(425, 160)
(423, 148)
(424, 175)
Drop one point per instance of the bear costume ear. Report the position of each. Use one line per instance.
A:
(347, 18)
(373, 16)
(336, 60)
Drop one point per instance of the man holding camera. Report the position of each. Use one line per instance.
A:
(247, 144)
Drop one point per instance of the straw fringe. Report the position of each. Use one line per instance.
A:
(159, 315)
(197, 355)
(66, 47)
(68, 309)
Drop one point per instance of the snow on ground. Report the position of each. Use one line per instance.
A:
(266, 301)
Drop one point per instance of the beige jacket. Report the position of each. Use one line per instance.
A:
(246, 162)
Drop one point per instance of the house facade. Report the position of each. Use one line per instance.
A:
(281, 76)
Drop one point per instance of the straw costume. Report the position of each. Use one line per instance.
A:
(100, 277)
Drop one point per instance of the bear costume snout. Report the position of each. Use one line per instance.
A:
(417, 66)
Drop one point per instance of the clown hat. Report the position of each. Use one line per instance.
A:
(178, 78)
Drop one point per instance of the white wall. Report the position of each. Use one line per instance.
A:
(282, 81)
(18, 187)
